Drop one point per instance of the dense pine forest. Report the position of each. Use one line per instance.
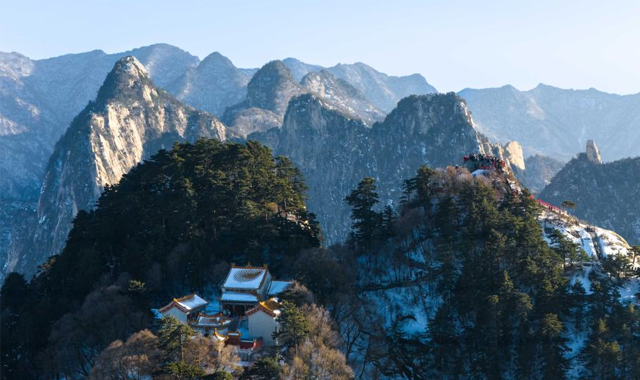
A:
(173, 225)
(463, 283)
(457, 280)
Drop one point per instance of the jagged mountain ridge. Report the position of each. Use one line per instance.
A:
(556, 122)
(273, 86)
(130, 120)
(383, 90)
(39, 98)
(604, 194)
(335, 151)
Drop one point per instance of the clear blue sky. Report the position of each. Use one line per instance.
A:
(454, 44)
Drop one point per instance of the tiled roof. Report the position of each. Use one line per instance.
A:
(185, 304)
(278, 287)
(238, 297)
(271, 307)
(246, 278)
(215, 320)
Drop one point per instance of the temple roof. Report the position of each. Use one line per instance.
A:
(215, 320)
(186, 304)
(246, 278)
(278, 287)
(238, 297)
(271, 307)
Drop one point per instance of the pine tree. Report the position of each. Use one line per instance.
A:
(172, 337)
(601, 353)
(444, 342)
(388, 219)
(294, 326)
(554, 363)
(365, 220)
(424, 186)
(263, 369)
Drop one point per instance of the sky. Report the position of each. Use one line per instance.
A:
(453, 44)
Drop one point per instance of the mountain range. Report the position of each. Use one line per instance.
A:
(132, 118)
(337, 123)
(556, 122)
(40, 98)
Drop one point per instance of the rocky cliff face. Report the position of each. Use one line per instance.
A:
(593, 154)
(557, 123)
(335, 151)
(513, 152)
(604, 194)
(130, 119)
(38, 100)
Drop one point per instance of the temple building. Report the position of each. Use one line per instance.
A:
(245, 287)
(217, 324)
(263, 320)
(185, 309)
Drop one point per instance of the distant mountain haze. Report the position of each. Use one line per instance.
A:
(558, 123)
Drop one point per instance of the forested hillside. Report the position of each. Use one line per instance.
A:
(172, 225)
(464, 283)
(460, 281)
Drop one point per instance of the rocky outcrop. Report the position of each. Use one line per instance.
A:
(335, 151)
(513, 152)
(38, 100)
(130, 120)
(593, 154)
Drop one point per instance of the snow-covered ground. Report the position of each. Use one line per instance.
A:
(597, 242)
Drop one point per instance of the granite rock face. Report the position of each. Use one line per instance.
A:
(38, 101)
(130, 120)
(593, 154)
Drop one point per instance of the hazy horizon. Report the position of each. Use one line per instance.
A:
(466, 44)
